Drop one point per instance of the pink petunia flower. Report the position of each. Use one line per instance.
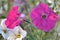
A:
(43, 17)
(13, 18)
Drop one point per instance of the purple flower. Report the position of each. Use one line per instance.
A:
(43, 17)
(19, 2)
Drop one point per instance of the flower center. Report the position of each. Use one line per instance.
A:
(18, 36)
(43, 16)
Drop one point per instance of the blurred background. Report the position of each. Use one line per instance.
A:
(25, 7)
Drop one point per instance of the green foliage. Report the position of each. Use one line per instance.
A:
(33, 33)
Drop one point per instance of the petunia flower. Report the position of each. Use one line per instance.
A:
(43, 17)
(14, 18)
(12, 34)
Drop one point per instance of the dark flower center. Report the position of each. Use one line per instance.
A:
(43, 16)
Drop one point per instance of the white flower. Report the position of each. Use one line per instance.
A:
(12, 34)
(3, 26)
(19, 33)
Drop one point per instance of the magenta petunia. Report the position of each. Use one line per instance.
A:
(13, 18)
(43, 17)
